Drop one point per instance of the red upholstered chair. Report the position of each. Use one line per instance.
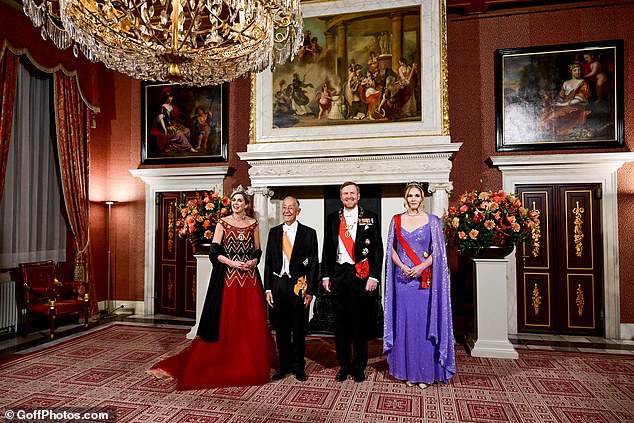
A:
(44, 296)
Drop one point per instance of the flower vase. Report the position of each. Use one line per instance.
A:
(202, 247)
(494, 252)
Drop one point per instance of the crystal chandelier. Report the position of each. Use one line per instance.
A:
(195, 42)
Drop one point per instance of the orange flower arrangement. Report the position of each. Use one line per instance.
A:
(199, 216)
(485, 218)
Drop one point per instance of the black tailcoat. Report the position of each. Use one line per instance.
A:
(353, 307)
(288, 314)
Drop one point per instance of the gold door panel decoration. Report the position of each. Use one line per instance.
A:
(536, 234)
(581, 312)
(580, 301)
(168, 293)
(171, 228)
(168, 222)
(578, 232)
(537, 300)
(538, 200)
(579, 236)
(190, 289)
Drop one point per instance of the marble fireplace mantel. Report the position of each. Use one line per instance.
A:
(322, 163)
(319, 163)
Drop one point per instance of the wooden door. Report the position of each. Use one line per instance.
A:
(175, 272)
(560, 288)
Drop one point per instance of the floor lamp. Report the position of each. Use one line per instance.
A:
(109, 205)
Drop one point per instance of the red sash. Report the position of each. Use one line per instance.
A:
(362, 268)
(426, 275)
(346, 238)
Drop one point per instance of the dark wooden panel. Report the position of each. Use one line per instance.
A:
(540, 200)
(537, 303)
(536, 275)
(175, 261)
(566, 275)
(190, 291)
(579, 236)
(168, 216)
(581, 311)
(168, 287)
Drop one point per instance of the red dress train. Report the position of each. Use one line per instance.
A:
(244, 352)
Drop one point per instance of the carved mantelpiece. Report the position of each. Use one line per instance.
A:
(310, 164)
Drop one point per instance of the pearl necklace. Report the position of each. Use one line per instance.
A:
(418, 213)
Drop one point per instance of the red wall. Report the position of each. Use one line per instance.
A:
(115, 146)
(472, 42)
(123, 123)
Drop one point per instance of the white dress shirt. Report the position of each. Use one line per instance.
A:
(352, 216)
(291, 231)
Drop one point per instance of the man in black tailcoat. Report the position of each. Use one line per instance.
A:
(351, 267)
(291, 272)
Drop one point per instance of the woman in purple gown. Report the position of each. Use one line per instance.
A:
(418, 332)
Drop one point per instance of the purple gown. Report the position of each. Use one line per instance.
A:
(418, 332)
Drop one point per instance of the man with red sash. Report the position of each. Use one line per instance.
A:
(351, 268)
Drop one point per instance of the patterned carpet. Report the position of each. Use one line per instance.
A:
(105, 369)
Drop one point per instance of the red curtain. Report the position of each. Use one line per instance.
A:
(8, 84)
(72, 118)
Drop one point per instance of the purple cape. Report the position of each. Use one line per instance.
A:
(439, 324)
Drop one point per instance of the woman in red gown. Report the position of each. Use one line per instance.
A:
(233, 346)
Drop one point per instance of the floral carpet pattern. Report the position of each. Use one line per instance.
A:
(105, 369)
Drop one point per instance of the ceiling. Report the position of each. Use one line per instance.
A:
(470, 7)
(454, 7)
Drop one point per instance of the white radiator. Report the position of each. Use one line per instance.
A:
(8, 307)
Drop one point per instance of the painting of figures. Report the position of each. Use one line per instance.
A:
(182, 123)
(352, 68)
(567, 96)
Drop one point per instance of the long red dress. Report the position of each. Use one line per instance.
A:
(243, 353)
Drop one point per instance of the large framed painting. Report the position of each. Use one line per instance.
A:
(183, 124)
(364, 69)
(562, 96)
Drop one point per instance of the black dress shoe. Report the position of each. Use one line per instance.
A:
(301, 376)
(280, 374)
(359, 377)
(341, 376)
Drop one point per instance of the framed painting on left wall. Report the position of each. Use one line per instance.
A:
(183, 124)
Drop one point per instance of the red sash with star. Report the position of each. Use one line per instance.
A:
(346, 238)
(362, 268)
(426, 275)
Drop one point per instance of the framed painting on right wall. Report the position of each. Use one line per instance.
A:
(560, 97)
